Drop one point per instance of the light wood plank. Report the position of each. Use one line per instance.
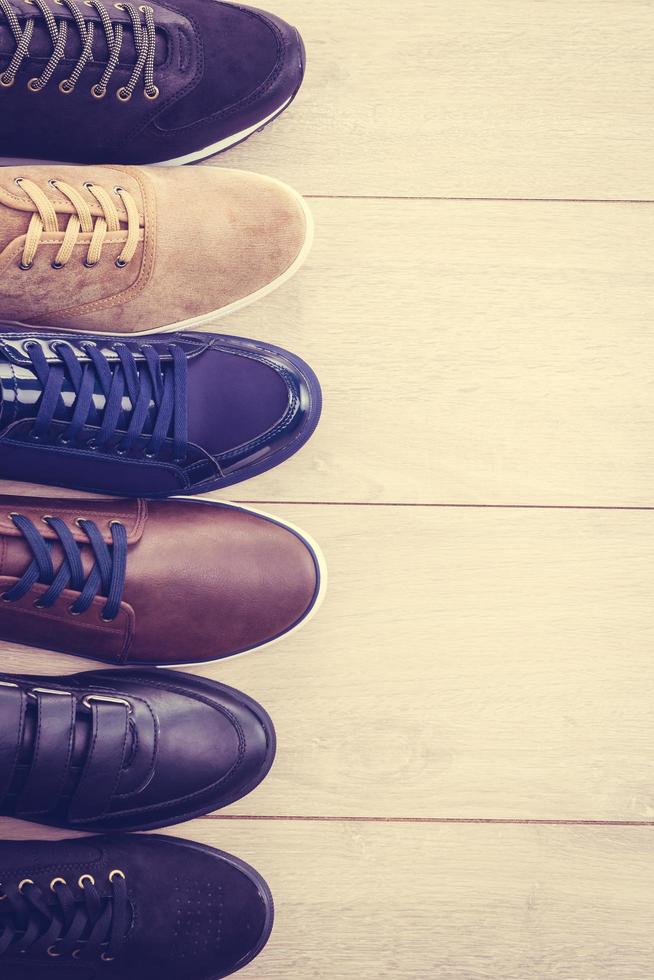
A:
(407, 902)
(471, 352)
(467, 663)
(472, 99)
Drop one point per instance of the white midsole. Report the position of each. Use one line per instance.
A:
(205, 318)
(322, 566)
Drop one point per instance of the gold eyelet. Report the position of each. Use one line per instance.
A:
(65, 86)
(123, 95)
(34, 85)
(89, 878)
(116, 873)
(98, 92)
(155, 92)
(6, 83)
(24, 883)
(57, 881)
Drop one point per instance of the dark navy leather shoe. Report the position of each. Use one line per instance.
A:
(128, 908)
(127, 750)
(149, 416)
(96, 82)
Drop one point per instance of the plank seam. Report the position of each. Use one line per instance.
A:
(492, 821)
(388, 503)
(482, 200)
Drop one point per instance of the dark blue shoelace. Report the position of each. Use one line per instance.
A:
(146, 383)
(106, 577)
(82, 923)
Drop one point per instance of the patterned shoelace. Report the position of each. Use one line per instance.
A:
(45, 221)
(106, 577)
(146, 384)
(79, 922)
(144, 43)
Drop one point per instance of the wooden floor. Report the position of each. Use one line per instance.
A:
(465, 781)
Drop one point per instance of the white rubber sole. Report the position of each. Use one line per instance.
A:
(208, 318)
(322, 591)
(207, 151)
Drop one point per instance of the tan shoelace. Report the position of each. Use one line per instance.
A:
(44, 221)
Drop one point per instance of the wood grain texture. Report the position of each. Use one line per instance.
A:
(466, 664)
(388, 902)
(471, 353)
(467, 99)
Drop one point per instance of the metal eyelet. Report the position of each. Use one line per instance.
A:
(121, 452)
(106, 959)
(91, 444)
(25, 267)
(57, 881)
(83, 878)
(123, 95)
(63, 441)
(88, 185)
(155, 93)
(73, 612)
(34, 86)
(56, 265)
(116, 873)
(5, 81)
(76, 954)
(38, 604)
(51, 951)
(120, 263)
(89, 265)
(24, 883)
(66, 86)
(80, 522)
(98, 92)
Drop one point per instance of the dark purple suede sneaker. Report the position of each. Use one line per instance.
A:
(149, 416)
(128, 908)
(95, 82)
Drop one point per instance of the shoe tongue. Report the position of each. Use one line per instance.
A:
(21, 378)
(41, 42)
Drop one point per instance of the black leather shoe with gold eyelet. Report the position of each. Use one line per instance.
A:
(128, 908)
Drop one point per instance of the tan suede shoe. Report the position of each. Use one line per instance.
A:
(143, 249)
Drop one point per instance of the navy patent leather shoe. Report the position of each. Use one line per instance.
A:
(149, 416)
(139, 907)
(127, 750)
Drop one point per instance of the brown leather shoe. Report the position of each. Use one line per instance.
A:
(151, 582)
(131, 250)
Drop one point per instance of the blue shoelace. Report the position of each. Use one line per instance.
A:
(146, 384)
(107, 576)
